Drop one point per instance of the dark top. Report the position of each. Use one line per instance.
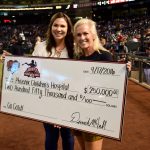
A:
(98, 56)
(16, 49)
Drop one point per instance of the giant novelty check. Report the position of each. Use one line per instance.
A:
(88, 96)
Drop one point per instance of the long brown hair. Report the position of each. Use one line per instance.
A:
(50, 42)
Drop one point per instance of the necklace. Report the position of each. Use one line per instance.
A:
(58, 52)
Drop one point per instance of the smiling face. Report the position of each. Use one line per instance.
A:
(84, 37)
(59, 29)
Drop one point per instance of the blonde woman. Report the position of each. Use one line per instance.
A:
(88, 47)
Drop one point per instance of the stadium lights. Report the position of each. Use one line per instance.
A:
(75, 5)
(119, 1)
(18, 9)
(103, 3)
(68, 6)
(58, 7)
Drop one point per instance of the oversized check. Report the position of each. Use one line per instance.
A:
(88, 96)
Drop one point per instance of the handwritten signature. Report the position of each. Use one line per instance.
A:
(93, 122)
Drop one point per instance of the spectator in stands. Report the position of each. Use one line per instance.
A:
(146, 64)
(15, 48)
(147, 42)
(37, 41)
(123, 50)
(88, 47)
(1, 47)
(58, 44)
(103, 41)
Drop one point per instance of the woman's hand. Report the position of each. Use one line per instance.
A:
(5, 53)
(129, 66)
(56, 126)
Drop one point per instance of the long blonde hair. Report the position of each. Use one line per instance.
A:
(97, 46)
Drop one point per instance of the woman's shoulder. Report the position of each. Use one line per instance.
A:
(106, 54)
(43, 43)
(40, 49)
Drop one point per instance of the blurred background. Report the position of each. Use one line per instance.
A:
(123, 27)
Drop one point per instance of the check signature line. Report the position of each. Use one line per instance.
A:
(39, 115)
(99, 101)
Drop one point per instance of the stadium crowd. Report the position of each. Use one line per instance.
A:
(117, 35)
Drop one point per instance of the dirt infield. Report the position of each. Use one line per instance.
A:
(23, 134)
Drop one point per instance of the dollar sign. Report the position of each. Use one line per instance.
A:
(85, 90)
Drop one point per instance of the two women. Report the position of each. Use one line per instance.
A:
(59, 44)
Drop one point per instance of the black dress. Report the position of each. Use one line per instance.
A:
(98, 56)
(95, 56)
